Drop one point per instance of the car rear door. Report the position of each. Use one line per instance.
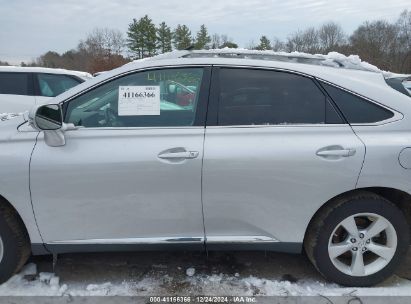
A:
(127, 175)
(275, 150)
(16, 92)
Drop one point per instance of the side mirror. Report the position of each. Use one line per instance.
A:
(48, 117)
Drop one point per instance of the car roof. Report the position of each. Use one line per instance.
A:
(83, 75)
(366, 83)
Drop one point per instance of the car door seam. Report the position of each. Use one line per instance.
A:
(30, 192)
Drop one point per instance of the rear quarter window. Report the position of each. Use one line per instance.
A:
(356, 109)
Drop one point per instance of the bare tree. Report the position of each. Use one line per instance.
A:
(303, 41)
(331, 36)
(376, 42)
(215, 41)
(277, 45)
(404, 40)
(103, 42)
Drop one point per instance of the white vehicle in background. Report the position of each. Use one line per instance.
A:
(407, 84)
(400, 82)
(23, 87)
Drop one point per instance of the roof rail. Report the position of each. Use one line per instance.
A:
(332, 59)
(259, 56)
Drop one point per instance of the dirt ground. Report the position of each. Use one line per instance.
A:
(169, 269)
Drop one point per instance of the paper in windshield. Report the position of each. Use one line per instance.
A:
(138, 100)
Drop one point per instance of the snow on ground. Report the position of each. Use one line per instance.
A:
(225, 274)
(6, 116)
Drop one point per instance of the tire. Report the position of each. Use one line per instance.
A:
(14, 242)
(327, 231)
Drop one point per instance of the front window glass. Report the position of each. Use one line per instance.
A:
(145, 99)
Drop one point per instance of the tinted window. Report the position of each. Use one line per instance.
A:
(14, 83)
(399, 85)
(153, 98)
(258, 97)
(51, 85)
(357, 109)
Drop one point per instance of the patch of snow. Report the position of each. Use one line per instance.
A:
(48, 284)
(7, 116)
(190, 271)
(12, 68)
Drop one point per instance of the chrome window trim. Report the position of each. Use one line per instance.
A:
(264, 68)
(397, 114)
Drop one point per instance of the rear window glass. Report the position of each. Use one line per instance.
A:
(52, 85)
(260, 97)
(357, 109)
(14, 83)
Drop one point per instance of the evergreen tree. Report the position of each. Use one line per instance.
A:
(142, 37)
(182, 37)
(164, 38)
(202, 39)
(265, 44)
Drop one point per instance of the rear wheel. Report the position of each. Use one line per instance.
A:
(14, 242)
(357, 240)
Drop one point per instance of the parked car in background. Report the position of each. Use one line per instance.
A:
(401, 83)
(407, 84)
(264, 154)
(23, 87)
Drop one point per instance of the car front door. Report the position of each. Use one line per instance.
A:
(131, 171)
(275, 150)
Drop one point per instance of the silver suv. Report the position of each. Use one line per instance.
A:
(209, 152)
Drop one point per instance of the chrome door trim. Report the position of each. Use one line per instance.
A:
(268, 68)
(240, 239)
(164, 240)
(126, 241)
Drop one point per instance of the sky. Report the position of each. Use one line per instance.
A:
(29, 28)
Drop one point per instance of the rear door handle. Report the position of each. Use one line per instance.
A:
(336, 152)
(179, 155)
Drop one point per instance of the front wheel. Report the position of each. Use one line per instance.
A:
(357, 240)
(14, 242)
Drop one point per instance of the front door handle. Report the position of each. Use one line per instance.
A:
(336, 152)
(178, 154)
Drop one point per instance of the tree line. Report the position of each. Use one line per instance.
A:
(382, 43)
